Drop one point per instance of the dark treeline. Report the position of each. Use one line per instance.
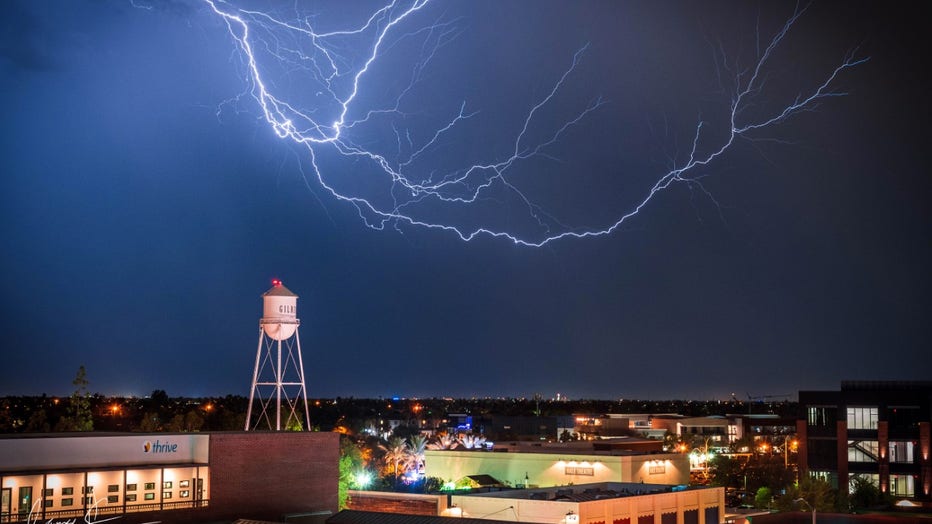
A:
(161, 412)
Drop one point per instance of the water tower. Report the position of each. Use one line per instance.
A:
(278, 379)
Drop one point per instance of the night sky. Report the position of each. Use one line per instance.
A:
(146, 204)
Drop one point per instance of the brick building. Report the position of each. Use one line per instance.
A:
(879, 430)
(168, 477)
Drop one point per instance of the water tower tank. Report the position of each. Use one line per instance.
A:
(279, 312)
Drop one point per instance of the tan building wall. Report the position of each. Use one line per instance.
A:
(558, 469)
(632, 509)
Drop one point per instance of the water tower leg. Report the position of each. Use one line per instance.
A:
(278, 388)
(255, 377)
(307, 413)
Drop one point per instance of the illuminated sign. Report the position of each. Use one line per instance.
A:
(159, 447)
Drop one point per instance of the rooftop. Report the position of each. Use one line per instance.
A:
(587, 492)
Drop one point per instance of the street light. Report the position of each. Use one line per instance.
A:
(808, 505)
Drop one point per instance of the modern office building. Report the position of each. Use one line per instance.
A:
(879, 430)
(167, 477)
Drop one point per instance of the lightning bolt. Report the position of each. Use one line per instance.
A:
(398, 189)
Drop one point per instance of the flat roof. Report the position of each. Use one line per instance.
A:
(587, 492)
(351, 516)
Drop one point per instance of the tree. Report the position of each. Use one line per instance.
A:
(395, 454)
(150, 423)
(763, 498)
(417, 444)
(79, 417)
(443, 441)
(471, 441)
(351, 463)
(865, 494)
(193, 421)
(818, 493)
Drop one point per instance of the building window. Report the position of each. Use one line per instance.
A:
(904, 417)
(580, 471)
(87, 490)
(863, 450)
(131, 498)
(874, 479)
(150, 485)
(166, 494)
(862, 418)
(50, 492)
(113, 499)
(656, 470)
(89, 501)
(46, 503)
(184, 483)
(67, 502)
(822, 416)
(113, 488)
(827, 476)
(167, 485)
(184, 494)
(902, 486)
(901, 452)
(67, 491)
(150, 496)
(130, 487)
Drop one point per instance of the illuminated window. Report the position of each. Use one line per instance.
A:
(167, 485)
(150, 496)
(874, 479)
(901, 452)
(822, 416)
(902, 486)
(184, 494)
(166, 494)
(67, 491)
(67, 502)
(131, 498)
(184, 483)
(130, 487)
(863, 450)
(150, 485)
(862, 418)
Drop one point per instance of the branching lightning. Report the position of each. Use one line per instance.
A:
(408, 192)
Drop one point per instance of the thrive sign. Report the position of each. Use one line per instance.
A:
(159, 447)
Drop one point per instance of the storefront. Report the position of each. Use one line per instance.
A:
(63, 477)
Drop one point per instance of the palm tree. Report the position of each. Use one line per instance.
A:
(395, 453)
(471, 441)
(416, 446)
(444, 441)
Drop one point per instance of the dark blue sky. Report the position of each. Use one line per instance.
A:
(146, 205)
